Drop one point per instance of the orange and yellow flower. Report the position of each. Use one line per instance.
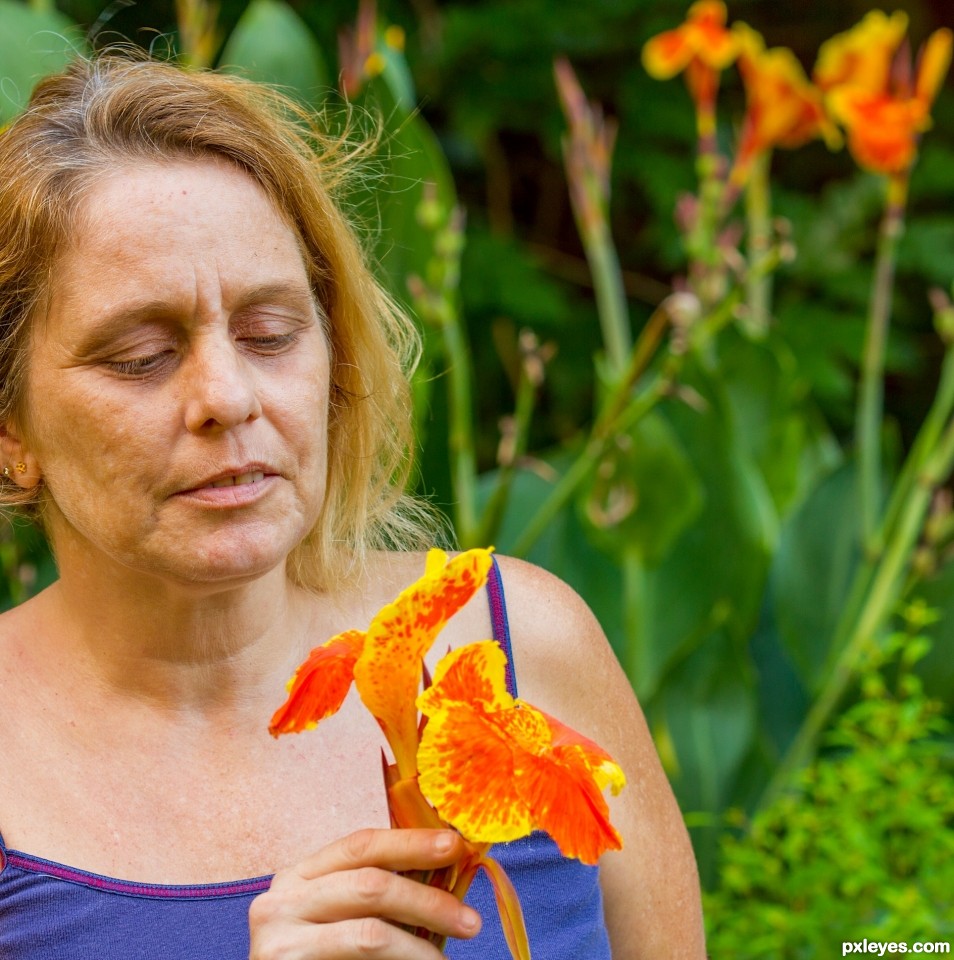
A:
(491, 766)
(497, 768)
(866, 73)
(861, 56)
(386, 662)
(783, 109)
(703, 47)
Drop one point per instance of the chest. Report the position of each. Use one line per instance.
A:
(179, 807)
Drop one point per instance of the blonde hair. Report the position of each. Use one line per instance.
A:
(122, 108)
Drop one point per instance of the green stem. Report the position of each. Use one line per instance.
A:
(610, 293)
(924, 445)
(758, 216)
(461, 437)
(868, 421)
(496, 505)
(886, 587)
(620, 412)
(582, 467)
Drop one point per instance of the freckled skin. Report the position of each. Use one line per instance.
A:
(117, 445)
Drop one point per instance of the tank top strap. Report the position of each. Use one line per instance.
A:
(499, 621)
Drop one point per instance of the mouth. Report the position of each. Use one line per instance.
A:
(238, 480)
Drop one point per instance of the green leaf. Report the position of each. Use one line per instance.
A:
(644, 494)
(709, 709)
(813, 570)
(409, 162)
(774, 419)
(33, 44)
(272, 44)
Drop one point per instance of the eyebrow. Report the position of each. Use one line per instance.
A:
(115, 322)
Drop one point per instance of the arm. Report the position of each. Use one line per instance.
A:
(566, 667)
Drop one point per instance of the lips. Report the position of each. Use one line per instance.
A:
(240, 480)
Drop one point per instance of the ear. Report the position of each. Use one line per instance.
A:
(17, 462)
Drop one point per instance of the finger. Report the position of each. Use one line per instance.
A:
(373, 892)
(369, 937)
(387, 849)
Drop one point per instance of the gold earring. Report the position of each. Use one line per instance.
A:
(21, 466)
(6, 471)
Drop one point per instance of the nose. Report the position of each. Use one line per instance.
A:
(220, 388)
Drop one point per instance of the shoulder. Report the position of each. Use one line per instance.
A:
(560, 649)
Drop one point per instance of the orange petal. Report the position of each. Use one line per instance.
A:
(604, 769)
(567, 803)
(388, 672)
(508, 908)
(882, 131)
(667, 54)
(467, 772)
(320, 685)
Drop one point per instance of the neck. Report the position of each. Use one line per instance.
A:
(184, 647)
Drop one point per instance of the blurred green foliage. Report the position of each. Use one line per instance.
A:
(717, 536)
(863, 845)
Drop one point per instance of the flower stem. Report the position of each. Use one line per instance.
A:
(610, 293)
(868, 421)
(461, 434)
(494, 511)
(758, 217)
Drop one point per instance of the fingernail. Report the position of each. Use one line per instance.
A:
(443, 842)
(469, 920)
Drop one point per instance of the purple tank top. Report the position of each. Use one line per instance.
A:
(52, 912)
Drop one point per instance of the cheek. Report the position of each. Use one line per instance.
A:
(85, 440)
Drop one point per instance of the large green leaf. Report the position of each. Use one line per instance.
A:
(409, 167)
(812, 572)
(644, 493)
(33, 43)
(272, 44)
(708, 710)
(774, 419)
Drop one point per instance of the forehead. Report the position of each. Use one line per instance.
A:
(149, 225)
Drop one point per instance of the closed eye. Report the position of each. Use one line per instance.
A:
(271, 343)
(141, 366)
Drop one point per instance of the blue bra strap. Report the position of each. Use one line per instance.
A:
(499, 621)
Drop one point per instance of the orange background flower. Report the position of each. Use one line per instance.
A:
(783, 109)
(703, 47)
(883, 123)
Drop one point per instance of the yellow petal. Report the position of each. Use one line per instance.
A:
(933, 66)
(473, 674)
(388, 672)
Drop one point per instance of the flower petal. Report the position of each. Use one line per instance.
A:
(320, 685)
(933, 65)
(466, 765)
(388, 672)
(496, 768)
(567, 802)
(474, 674)
(862, 55)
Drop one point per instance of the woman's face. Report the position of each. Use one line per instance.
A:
(177, 393)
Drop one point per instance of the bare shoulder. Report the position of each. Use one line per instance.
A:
(560, 648)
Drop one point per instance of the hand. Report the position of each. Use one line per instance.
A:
(344, 901)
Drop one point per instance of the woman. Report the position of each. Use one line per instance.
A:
(204, 402)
